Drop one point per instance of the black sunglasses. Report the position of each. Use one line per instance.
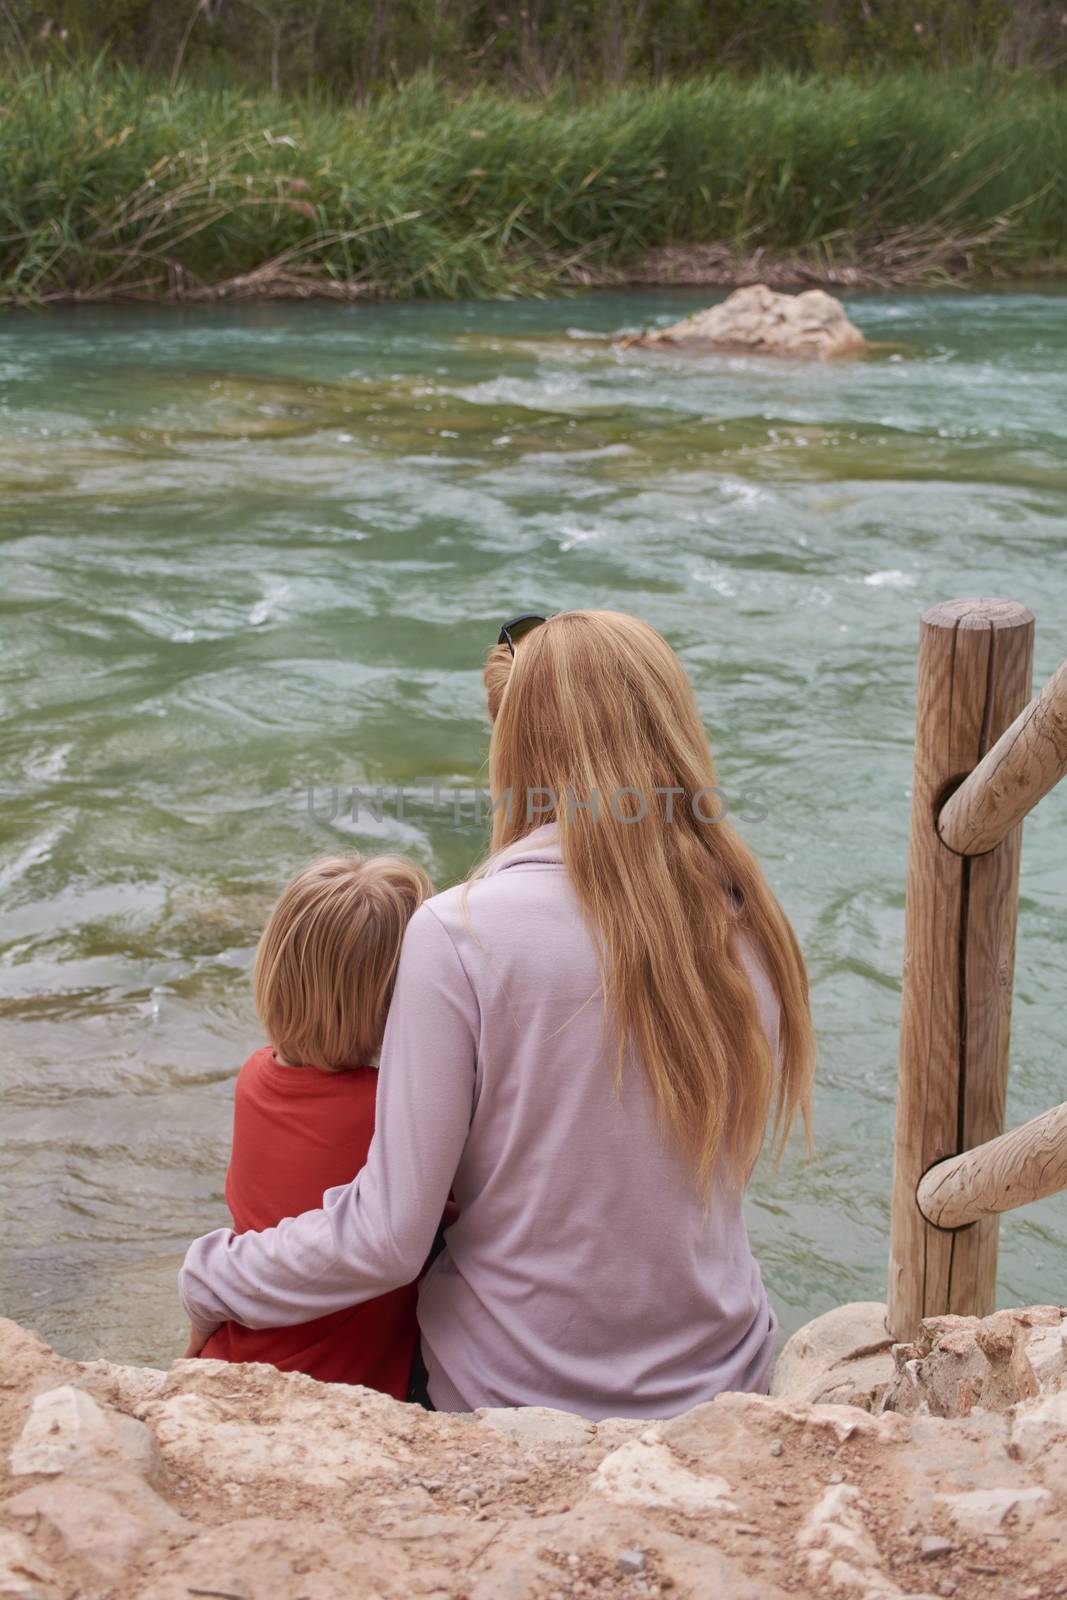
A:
(518, 628)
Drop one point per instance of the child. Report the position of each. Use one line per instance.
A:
(304, 1104)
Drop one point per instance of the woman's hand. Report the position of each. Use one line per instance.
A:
(198, 1338)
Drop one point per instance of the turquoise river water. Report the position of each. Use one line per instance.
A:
(253, 555)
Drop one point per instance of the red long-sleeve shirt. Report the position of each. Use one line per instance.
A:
(297, 1132)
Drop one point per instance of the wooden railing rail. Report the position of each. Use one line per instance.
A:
(1029, 1163)
(1024, 764)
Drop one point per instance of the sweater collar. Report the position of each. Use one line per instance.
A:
(541, 847)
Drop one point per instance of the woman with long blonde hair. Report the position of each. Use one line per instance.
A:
(586, 1044)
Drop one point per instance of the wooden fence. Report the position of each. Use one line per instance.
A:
(985, 753)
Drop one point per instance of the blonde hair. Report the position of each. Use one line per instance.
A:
(594, 704)
(327, 959)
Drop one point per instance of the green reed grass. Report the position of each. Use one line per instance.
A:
(115, 187)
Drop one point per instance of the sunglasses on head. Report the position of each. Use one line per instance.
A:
(518, 628)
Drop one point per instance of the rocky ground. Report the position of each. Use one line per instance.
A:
(945, 1475)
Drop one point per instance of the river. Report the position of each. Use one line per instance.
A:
(254, 555)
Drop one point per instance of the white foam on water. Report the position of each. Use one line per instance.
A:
(573, 537)
(39, 849)
(891, 578)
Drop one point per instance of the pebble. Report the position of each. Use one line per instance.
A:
(464, 1496)
(631, 1562)
(934, 1546)
(947, 1586)
(572, 1561)
(837, 1477)
(776, 1447)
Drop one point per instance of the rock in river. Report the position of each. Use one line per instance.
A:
(759, 321)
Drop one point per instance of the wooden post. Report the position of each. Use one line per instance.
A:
(974, 677)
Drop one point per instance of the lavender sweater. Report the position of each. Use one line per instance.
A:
(584, 1272)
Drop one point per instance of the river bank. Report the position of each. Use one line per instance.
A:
(242, 1482)
(120, 188)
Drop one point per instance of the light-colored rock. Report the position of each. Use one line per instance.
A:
(955, 1364)
(757, 320)
(25, 1574)
(844, 1357)
(66, 1431)
(1045, 1347)
(27, 1365)
(839, 1548)
(985, 1511)
(837, 1542)
(537, 1424)
(642, 1474)
(124, 1387)
(262, 1435)
(1039, 1431)
(245, 1452)
(109, 1529)
(958, 1363)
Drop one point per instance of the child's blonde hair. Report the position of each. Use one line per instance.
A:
(327, 959)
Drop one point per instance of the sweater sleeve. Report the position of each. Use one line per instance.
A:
(372, 1234)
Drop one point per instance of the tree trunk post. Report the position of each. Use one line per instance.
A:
(974, 677)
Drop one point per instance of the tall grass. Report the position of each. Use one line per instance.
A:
(114, 187)
(351, 50)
